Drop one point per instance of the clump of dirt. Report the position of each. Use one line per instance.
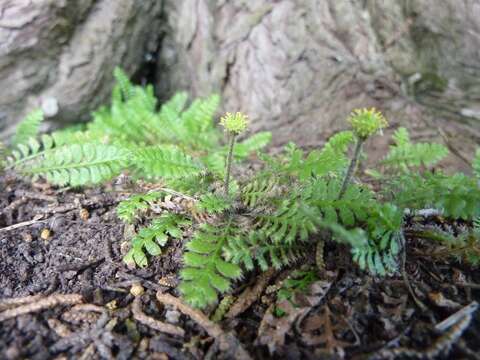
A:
(63, 241)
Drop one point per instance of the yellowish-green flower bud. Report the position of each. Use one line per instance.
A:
(367, 122)
(234, 123)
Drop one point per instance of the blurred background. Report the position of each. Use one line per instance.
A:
(296, 67)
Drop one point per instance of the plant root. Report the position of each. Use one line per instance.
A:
(14, 302)
(155, 324)
(226, 342)
(42, 304)
(250, 294)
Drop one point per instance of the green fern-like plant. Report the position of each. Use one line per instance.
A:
(206, 272)
(404, 155)
(476, 164)
(28, 128)
(176, 142)
(152, 238)
(128, 210)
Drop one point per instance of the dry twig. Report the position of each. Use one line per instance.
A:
(14, 302)
(250, 294)
(226, 342)
(140, 316)
(42, 304)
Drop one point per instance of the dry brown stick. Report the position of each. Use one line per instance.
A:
(88, 308)
(35, 220)
(250, 294)
(227, 342)
(14, 302)
(42, 304)
(456, 317)
(140, 316)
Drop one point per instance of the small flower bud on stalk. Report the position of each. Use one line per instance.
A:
(234, 125)
(365, 123)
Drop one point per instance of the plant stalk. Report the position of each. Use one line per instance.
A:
(351, 167)
(229, 163)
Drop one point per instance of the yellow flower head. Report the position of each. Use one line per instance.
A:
(234, 123)
(367, 122)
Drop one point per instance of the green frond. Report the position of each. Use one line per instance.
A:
(214, 203)
(404, 155)
(151, 239)
(251, 249)
(476, 164)
(332, 158)
(128, 210)
(297, 282)
(198, 118)
(126, 88)
(27, 128)
(458, 196)
(252, 144)
(164, 162)
(206, 272)
(351, 208)
(76, 164)
(260, 191)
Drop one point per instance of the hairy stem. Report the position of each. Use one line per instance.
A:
(229, 163)
(351, 167)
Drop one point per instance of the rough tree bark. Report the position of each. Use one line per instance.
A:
(297, 67)
(59, 53)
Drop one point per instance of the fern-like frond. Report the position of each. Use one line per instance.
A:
(27, 128)
(404, 155)
(214, 203)
(253, 248)
(198, 118)
(476, 164)
(260, 191)
(292, 220)
(164, 162)
(76, 164)
(149, 240)
(332, 158)
(206, 272)
(351, 208)
(126, 88)
(458, 196)
(252, 144)
(128, 210)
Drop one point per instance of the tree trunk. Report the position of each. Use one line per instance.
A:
(61, 54)
(299, 67)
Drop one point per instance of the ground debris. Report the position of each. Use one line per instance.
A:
(41, 304)
(155, 324)
(226, 342)
(250, 294)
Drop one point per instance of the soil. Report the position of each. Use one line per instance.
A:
(81, 253)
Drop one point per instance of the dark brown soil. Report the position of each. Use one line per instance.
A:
(369, 316)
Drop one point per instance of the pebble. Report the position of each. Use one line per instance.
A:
(172, 316)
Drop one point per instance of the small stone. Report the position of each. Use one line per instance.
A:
(172, 316)
(112, 305)
(137, 290)
(27, 237)
(45, 234)
(84, 214)
(50, 107)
